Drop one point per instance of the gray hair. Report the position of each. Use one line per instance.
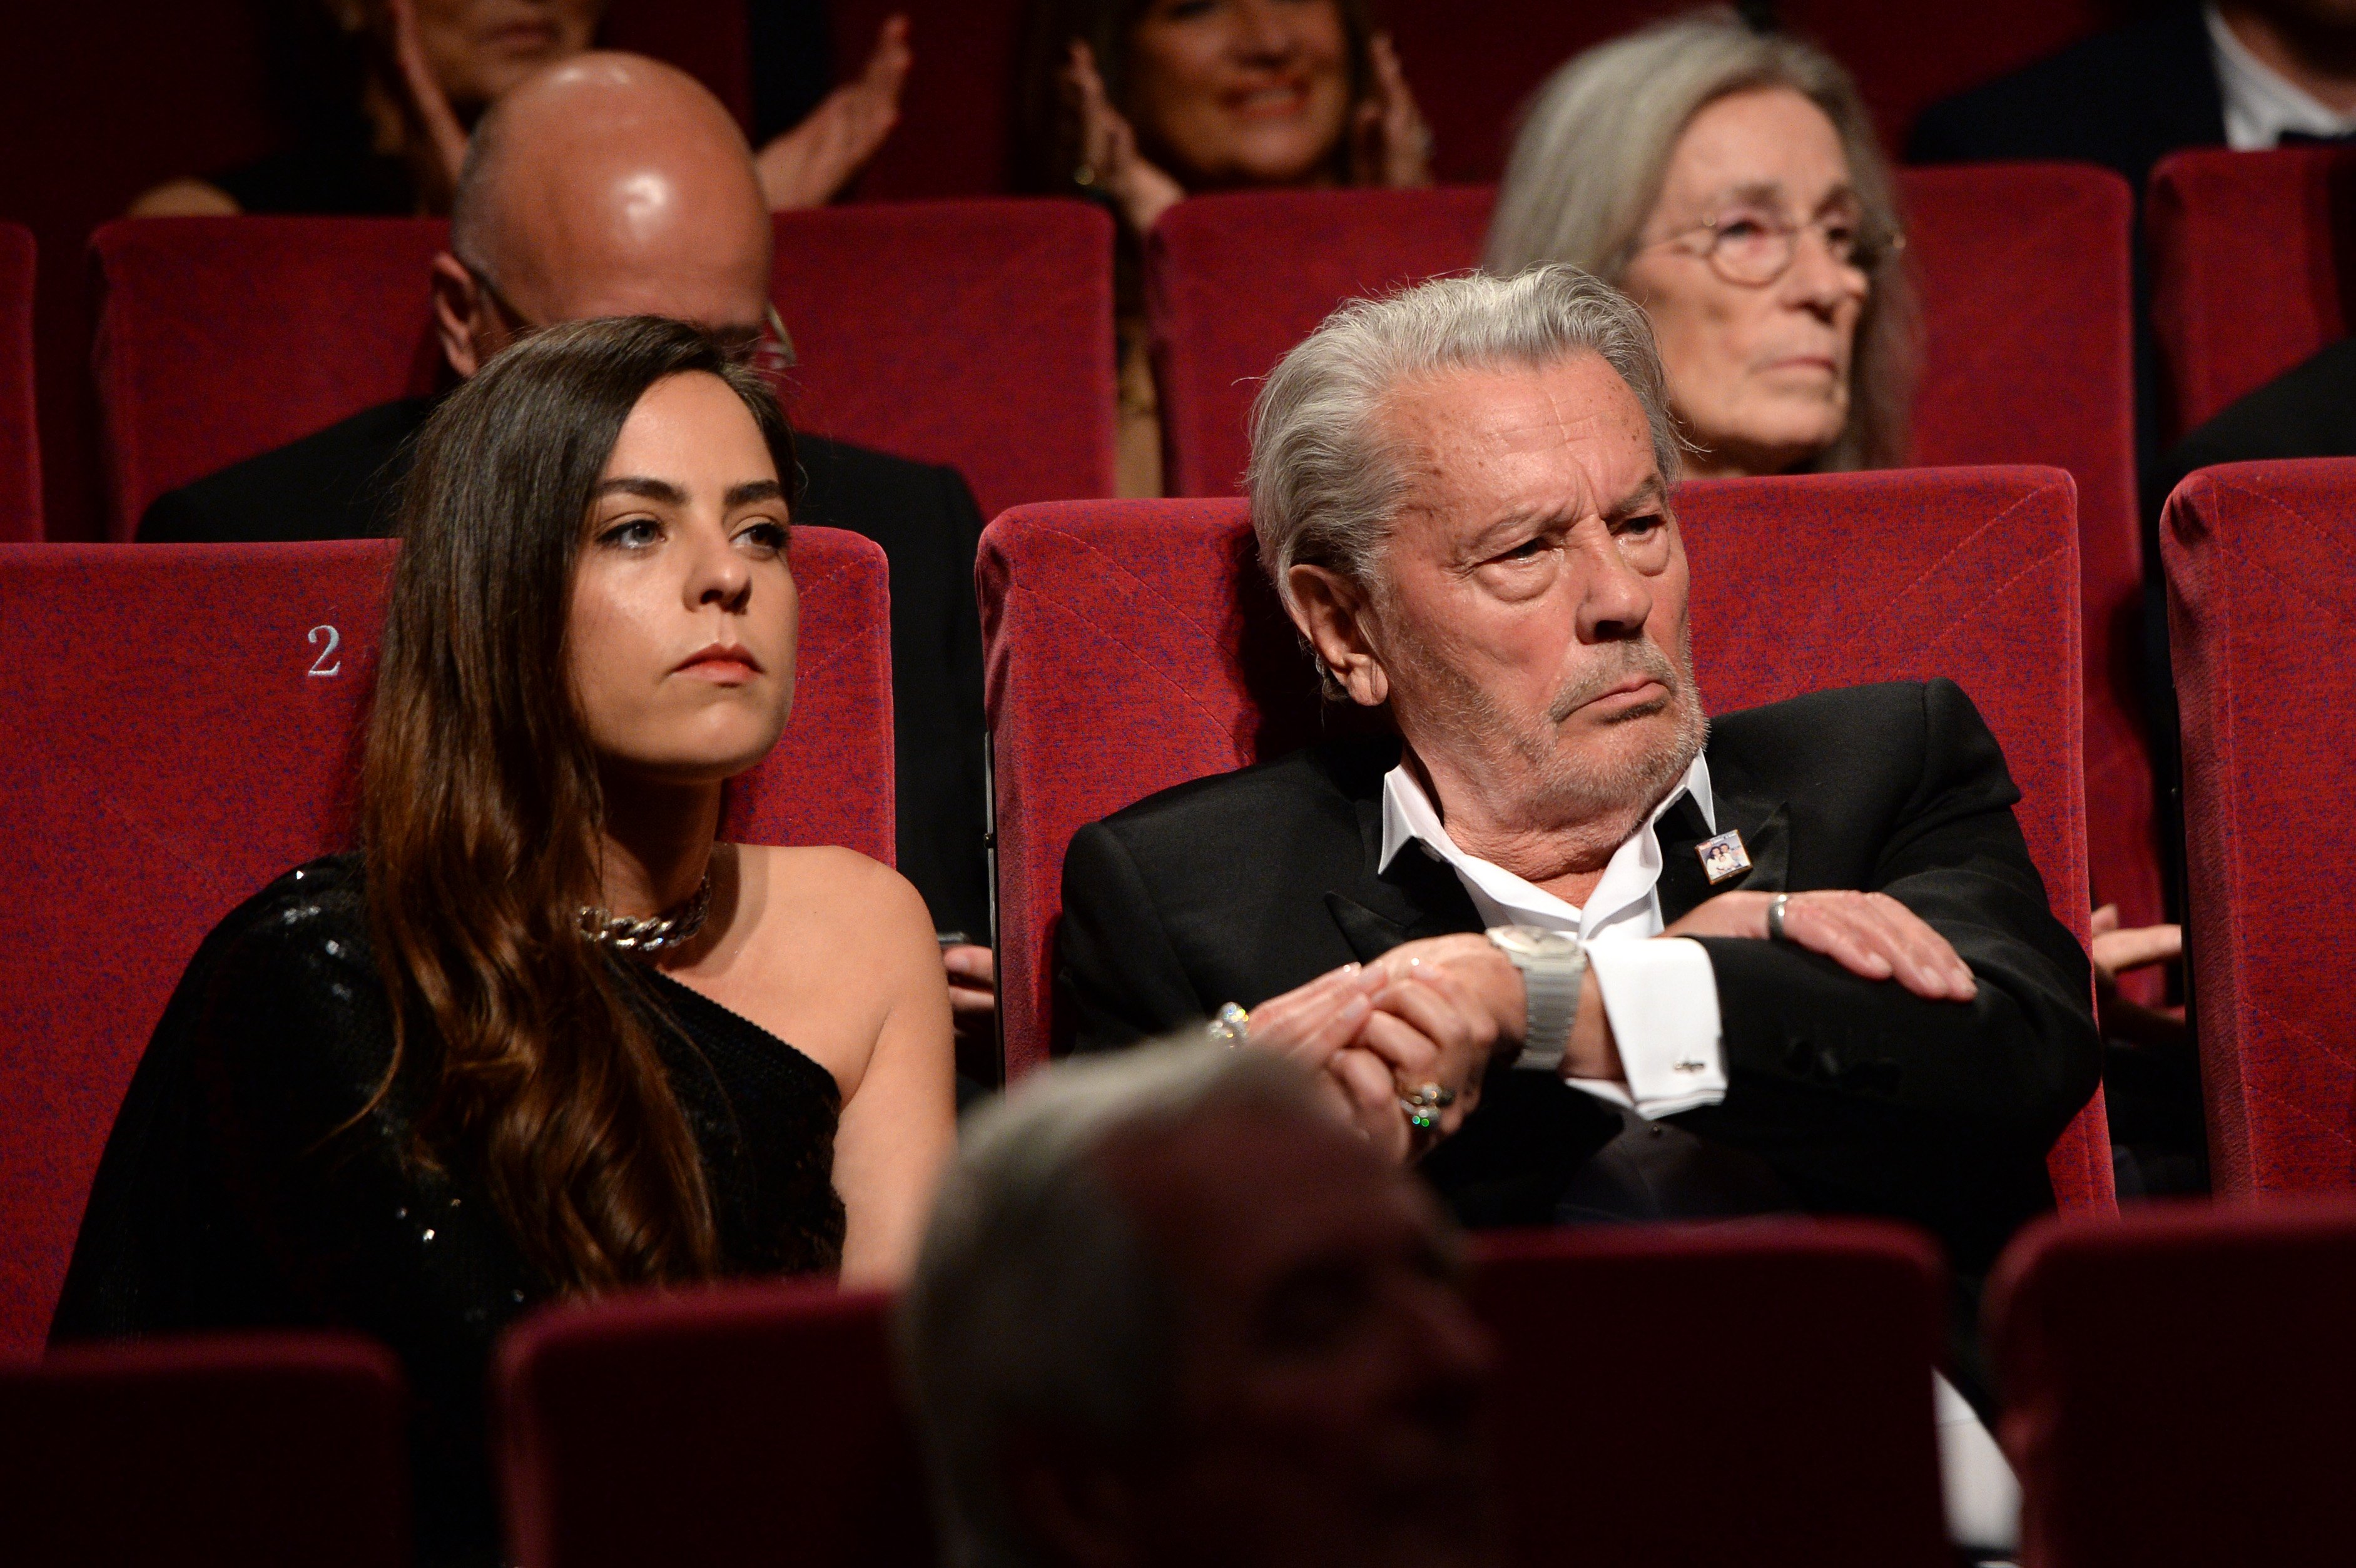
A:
(1325, 482)
(1034, 1298)
(1594, 148)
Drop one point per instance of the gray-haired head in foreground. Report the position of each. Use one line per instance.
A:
(1594, 149)
(1325, 482)
(1035, 1302)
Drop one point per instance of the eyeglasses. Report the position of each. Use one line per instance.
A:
(767, 349)
(1751, 245)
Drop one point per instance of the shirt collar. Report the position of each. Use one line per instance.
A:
(1409, 817)
(2260, 103)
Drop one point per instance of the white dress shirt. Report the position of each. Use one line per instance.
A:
(1661, 997)
(2260, 102)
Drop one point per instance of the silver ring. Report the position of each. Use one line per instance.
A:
(1775, 917)
(1422, 1118)
(1229, 1026)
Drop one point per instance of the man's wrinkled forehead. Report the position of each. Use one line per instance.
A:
(1567, 437)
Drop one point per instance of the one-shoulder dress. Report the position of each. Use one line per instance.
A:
(238, 1190)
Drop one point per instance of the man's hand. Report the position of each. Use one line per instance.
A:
(1389, 143)
(1108, 157)
(2116, 952)
(1871, 935)
(973, 996)
(1493, 986)
(808, 164)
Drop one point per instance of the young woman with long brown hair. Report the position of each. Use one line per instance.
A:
(530, 1042)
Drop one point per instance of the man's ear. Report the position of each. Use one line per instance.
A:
(1331, 613)
(458, 314)
(1071, 1502)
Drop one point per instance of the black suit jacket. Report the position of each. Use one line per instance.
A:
(2309, 410)
(2124, 99)
(1852, 1095)
(344, 483)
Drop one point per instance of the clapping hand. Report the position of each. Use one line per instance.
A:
(1390, 144)
(1109, 160)
(808, 164)
(437, 141)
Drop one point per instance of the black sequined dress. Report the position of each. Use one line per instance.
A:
(228, 1198)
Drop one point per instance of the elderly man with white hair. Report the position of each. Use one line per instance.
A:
(1581, 951)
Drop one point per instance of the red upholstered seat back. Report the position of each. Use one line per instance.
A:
(1134, 646)
(278, 1450)
(733, 1425)
(2024, 277)
(1760, 1381)
(182, 726)
(976, 334)
(2260, 612)
(20, 447)
(2251, 267)
(2177, 1384)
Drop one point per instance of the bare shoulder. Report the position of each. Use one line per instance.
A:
(824, 897)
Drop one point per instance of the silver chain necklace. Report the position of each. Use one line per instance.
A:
(645, 936)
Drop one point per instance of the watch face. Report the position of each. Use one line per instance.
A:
(1534, 942)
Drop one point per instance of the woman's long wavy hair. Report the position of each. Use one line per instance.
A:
(1594, 148)
(480, 814)
(1047, 137)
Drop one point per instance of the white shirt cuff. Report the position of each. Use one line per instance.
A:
(1661, 995)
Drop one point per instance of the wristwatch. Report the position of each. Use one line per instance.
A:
(1553, 965)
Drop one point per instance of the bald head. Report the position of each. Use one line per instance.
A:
(609, 185)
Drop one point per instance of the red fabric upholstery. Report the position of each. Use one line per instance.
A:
(1760, 1380)
(224, 337)
(167, 749)
(2251, 267)
(284, 1451)
(1133, 645)
(2177, 1384)
(2260, 612)
(2024, 276)
(731, 1425)
(976, 333)
(20, 447)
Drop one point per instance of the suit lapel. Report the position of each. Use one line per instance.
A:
(1417, 897)
(1765, 826)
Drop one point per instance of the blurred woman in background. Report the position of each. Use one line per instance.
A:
(1141, 103)
(1730, 182)
(531, 1041)
(406, 79)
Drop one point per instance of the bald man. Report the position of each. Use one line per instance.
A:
(612, 185)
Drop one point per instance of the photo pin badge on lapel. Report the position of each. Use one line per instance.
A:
(1723, 857)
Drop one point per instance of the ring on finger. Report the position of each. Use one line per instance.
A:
(1230, 1025)
(1422, 1118)
(1431, 1097)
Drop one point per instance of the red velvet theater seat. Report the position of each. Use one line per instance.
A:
(181, 727)
(2251, 267)
(976, 334)
(20, 447)
(280, 1451)
(1134, 646)
(744, 1424)
(2260, 611)
(2023, 274)
(1767, 1385)
(2177, 1384)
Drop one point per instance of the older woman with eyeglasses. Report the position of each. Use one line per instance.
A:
(1729, 181)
